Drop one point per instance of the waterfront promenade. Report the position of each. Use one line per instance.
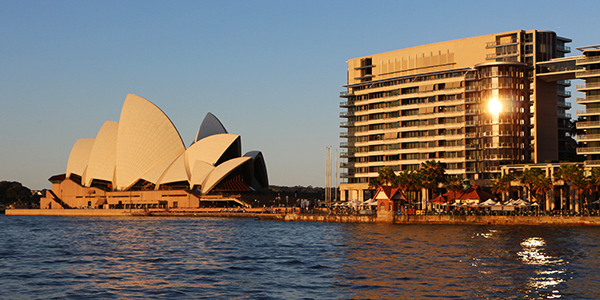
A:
(297, 215)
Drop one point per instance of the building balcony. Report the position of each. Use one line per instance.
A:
(588, 150)
(564, 115)
(501, 54)
(588, 137)
(564, 82)
(564, 104)
(588, 86)
(565, 49)
(501, 43)
(589, 111)
(592, 162)
(346, 124)
(344, 134)
(343, 154)
(472, 100)
(564, 93)
(588, 124)
(345, 104)
(346, 114)
(588, 99)
(588, 73)
(588, 60)
(346, 94)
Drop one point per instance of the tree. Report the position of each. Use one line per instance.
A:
(13, 192)
(541, 185)
(432, 175)
(581, 185)
(409, 181)
(566, 173)
(454, 185)
(528, 179)
(501, 185)
(386, 177)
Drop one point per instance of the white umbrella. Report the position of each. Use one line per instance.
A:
(487, 203)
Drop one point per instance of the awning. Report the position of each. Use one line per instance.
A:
(101, 201)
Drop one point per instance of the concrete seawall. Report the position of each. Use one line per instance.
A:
(294, 217)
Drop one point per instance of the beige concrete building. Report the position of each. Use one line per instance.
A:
(474, 104)
(141, 162)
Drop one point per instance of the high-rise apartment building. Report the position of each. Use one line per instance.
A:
(474, 104)
(588, 69)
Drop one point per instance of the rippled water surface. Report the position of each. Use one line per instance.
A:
(205, 258)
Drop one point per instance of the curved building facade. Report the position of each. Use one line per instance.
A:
(142, 162)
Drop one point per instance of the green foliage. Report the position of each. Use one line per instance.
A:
(13, 192)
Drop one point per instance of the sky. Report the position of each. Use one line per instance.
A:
(271, 71)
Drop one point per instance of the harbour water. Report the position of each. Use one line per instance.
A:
(44, 257)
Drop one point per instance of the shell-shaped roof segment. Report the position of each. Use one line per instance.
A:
(146, 139)
(79, 157)
(210, 126)
(101, 164)
(200, 172)
(222, 171)
(259, 168)
(212, 148)
(176, 172)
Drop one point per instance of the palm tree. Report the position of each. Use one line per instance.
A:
(409, 181)
(581, 185)
(433, 174)
(528, 179)
(594, 180)
(454, 184)
(386, 177)
(566, 173)
(542, 185)
(501, 185)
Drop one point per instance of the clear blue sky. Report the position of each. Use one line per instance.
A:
(271, 71)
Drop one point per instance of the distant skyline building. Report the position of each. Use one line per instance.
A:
(474, 104)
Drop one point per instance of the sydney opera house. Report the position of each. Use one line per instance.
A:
(142, 162)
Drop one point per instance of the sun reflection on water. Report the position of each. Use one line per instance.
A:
(546, 281)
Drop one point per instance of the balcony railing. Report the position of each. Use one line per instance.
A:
(588, 124)
(590, 85)
(563, 48)
(588, 150)
(346, 94)
(588, 111)
(588, 60)
(588, 73)
(346, 124)
(564, 93)
(507, 53)
(564, 115)
(592, 162)
(501, 43)
(588, 137)
(564, 104)
(591, 98)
